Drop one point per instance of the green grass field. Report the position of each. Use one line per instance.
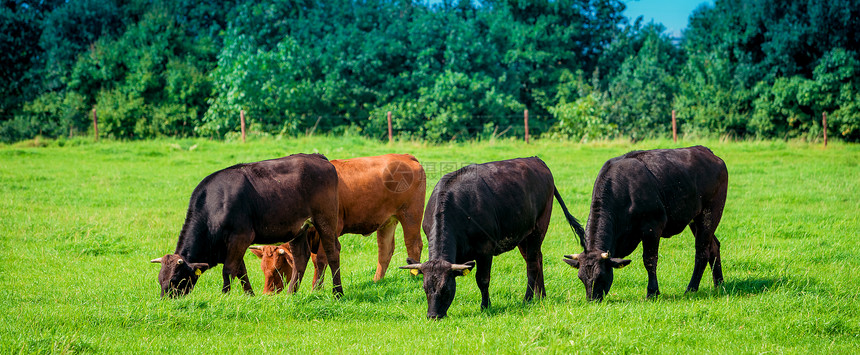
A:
(79, 224)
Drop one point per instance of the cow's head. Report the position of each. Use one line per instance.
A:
(277, 263)
(439, 283)
(595, 271)
(177, 277)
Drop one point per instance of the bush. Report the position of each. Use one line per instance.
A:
(51, 115)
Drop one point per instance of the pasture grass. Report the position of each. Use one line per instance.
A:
(81, 220)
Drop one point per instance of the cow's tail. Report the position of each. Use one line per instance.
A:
(577, 228)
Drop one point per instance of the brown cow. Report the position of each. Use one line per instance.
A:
(277, 263)
(374, 193)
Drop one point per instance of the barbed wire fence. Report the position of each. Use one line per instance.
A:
(519, 126)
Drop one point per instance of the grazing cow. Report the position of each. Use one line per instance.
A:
(264, 202)
(374, 193)
(481, 211)
(648, 195)
(277, 263)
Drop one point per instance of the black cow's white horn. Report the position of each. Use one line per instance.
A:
(156, 260)
(574, 256)
(459, 267)
(256, 247)
(604, 255)
(411, 267)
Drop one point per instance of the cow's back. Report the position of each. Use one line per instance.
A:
(674, 182)
(488, 208)
(372, 189)
(272, 197)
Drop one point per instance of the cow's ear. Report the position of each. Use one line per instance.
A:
(410, 261)
(572, 262)
(257, 252)
(619, 263)
(199, 268)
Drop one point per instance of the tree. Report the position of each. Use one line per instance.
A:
(581, 110)
(70, 30)
(642, 93)
(753, 66)
(150, 81)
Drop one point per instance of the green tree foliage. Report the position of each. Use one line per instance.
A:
(70, 29)
(447, 71)
(145, 82)
(581, 110)
(20, 28)
(709, 100)
(770, 68)
(153, 79)
(643, 91)
(455, 69)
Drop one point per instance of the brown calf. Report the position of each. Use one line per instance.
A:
(277, 262)
(374, 194)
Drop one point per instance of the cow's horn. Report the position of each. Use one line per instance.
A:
(458, 267)
(281, 251)
(411, 267)
(256, 247)
(156, 260)
(604, 255)
(574, 256)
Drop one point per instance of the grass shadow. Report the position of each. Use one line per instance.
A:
(391, 288)
(730, 288)
(507, 308)
(751, 286)
(733, 288)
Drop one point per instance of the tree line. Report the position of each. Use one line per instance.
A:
(454, 69)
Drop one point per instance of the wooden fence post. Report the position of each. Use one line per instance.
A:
(824, 123)
(242, 118)
(526, 121)
(390, 133)
(674, 128)
(96, 124)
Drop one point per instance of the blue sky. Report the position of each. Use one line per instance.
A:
(671, 13)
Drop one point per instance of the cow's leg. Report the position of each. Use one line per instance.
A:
(482, 278)
(320, 264)
(703, 243)
(326, 226)
(385, 244)
(714, 260)
(530, 250)
(707, 247)
(318, 257)
(717, 204)
(534, 272)
(301, 252)
(650, 247)
(234, 263)
(410, 219)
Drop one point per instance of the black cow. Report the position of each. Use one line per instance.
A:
(481, 211)
(264, 202)
(646, 195)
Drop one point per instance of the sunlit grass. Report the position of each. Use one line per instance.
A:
(81, 221)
